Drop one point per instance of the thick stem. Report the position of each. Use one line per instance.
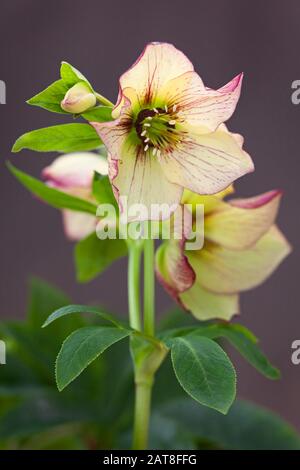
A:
(134, 259)
(141, 415)
(145, 366)
(149, 287)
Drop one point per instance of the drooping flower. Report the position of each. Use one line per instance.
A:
(242, 248)
(73, 173)
(168, 135)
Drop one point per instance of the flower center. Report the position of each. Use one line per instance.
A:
(156, 129)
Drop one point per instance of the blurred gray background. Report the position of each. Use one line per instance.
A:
(222, 38)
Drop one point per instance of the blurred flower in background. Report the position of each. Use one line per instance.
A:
(73, 173)
(242, 248)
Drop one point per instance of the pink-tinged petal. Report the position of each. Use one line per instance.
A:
(206, 163)
(78, 225)
(113, 169)
(257, 201)
(115, 133)
(239, 224)
(225, 271)
(200, 106)
(139, 178)
(205, 305)
(158, 63)
(75, 170)
(173, 269)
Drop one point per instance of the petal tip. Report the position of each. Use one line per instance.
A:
(240, 77)
(235, 84)
(257, 201)
(237, 81)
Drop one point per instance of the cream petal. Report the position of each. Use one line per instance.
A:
(75, 170)
(238, 137)
(158, 63)
(206, 163)
(128, 100)
(200, 106)
(205, 305)
(78, 225)
(241, 223)
(115, 133)
(225, 271)
(139, 178)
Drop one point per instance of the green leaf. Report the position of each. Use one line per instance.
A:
(98, 114)
(27, 347)
(93, 256)
(38, 414)
(243, 340)
(245, 427)
(204, 371)
(51, 97)
(71, 76)
(102, 190)
(71, 309)
(52, 196)
(61, 138)
(239, 336)
(81, 348)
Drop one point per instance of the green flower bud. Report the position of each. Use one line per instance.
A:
(78, 99)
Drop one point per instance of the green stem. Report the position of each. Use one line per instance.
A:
(144, 380)
(103, 100)
(141, 415)
(145, 362)
(134, 259)
(149, 287)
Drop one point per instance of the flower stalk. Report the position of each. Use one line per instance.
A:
(149, 286)
(134, 261)
(147, 352)
(103, 100)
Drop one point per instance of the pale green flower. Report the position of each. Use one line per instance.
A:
(242, 248)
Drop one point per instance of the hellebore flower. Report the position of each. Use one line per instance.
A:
(73, 173)
(242, 248)
(78, 99)
(167, 132)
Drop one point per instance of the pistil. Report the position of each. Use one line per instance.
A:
(156, 128)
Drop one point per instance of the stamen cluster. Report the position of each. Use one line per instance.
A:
(156, 128)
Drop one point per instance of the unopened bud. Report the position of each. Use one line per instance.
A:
(78, 99)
